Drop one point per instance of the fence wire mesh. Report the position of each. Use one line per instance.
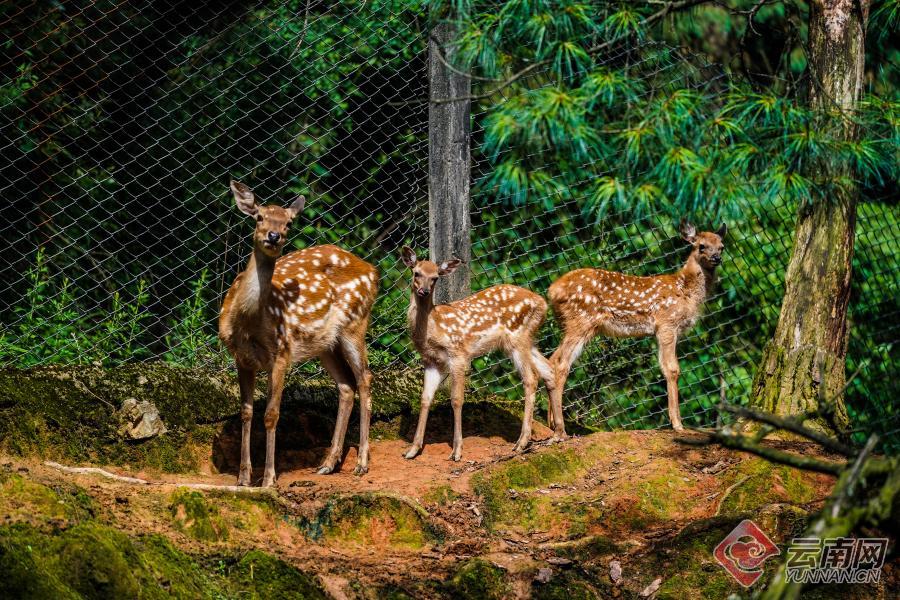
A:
(121, 126)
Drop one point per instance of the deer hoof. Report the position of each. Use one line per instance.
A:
(412, 453)
(559, 437)
(521, 445)
(360, 470)
(677, 426)
(244, 478)
(325, 470)
(455, 456)
(268, 481)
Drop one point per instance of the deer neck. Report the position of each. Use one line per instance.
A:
(698, 280)
(257, 288)
(418, 315)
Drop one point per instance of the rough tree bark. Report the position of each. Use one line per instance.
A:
(449, 132)
(805, 360)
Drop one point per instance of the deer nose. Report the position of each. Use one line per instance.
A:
(422, 292)
(274, 236)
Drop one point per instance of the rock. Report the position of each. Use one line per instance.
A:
(140, 420)
(652, 588)
(615, 571)
(544, 575)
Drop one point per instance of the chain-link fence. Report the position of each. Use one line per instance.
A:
(121, 126)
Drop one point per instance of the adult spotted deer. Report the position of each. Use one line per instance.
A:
(449, 336)
(591, 302)
(284, 309)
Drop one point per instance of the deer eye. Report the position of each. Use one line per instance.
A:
(259, 218)
(417, 273)
(702, 247)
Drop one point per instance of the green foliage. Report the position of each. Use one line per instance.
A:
(52, 328)
(189, 341)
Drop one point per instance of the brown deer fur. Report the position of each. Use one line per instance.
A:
(592, 302)
(310, 303)
(449, 336)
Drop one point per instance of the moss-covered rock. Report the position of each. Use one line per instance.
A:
(95, 561)
(258, 575)
(372, 520)
(69, 413)
(478, 579)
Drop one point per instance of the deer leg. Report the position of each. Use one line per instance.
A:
(457, 393)
(247, 382)
(433, 378)
(353, 348)
(273, 410)
(526, 369)
(561, 361)
(668, 362)
(544, 370)
(340, 371)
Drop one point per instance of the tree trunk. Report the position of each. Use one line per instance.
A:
(805, 361)
(449, 159)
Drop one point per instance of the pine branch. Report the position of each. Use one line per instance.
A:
(668, 8)
(793, 425)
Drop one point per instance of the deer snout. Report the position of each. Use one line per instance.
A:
(716, 259)
(422, 292)
(273, 237)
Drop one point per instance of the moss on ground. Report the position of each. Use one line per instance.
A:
(95, 561)
(442, 495)
(193, 515)
(759, 483)
(522, 475)
(371, 520)
(567, 585)
(657, 500)
(259, 575)
(478, 579)
(509, 491)
(22, 499)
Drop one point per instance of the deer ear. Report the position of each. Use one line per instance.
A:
(448, 267)
(244, 198)
(688, 231)
(408, 256)
(296, 206)
(721, 231)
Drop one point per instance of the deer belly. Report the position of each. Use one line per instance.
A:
(488, 340)
(312, 338)
(252, 352)
(637, 326)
